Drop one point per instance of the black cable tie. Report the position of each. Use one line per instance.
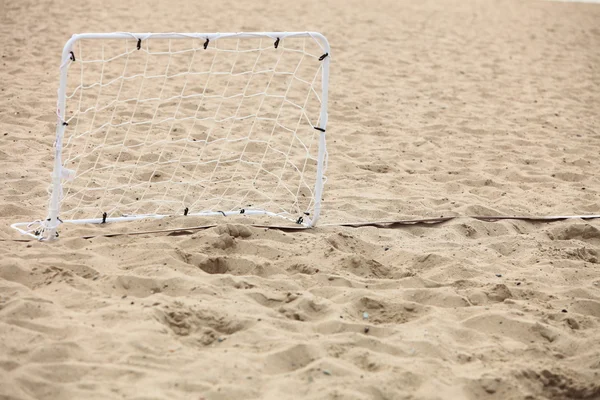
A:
(72, 56)
(222, 213)
(206, 43)
(299, 220)
(65, 123)
(242, 211)
(323, 56)
(319, 129)
(104, 215)
(185, 212)
(139, 44)
(276, 44)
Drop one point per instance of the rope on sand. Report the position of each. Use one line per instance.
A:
(377, 224)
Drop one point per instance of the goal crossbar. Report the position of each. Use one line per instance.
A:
(47, 228)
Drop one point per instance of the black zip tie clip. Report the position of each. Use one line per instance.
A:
(222, 212)
(72, 57)
(276, 44)
(301, 219)
(104, 215)
(185, 212)
(242, 211)
(65, 123)
(139, 44)
(206, 43)
(323, 56)
(319, 129)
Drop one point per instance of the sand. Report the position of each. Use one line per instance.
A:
(450, 108)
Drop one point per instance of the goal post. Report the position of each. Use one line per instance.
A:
(211, 124)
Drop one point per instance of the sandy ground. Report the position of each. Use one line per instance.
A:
(436, 108)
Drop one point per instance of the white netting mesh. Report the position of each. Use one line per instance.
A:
(174, 125)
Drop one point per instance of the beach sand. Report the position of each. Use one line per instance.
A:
(437, 108)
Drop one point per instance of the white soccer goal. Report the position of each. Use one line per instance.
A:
(159, 124)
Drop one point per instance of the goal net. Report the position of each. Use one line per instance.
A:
(153, 125)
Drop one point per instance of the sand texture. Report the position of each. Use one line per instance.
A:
(437, 108)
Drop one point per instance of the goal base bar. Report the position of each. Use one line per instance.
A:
(38, 230)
